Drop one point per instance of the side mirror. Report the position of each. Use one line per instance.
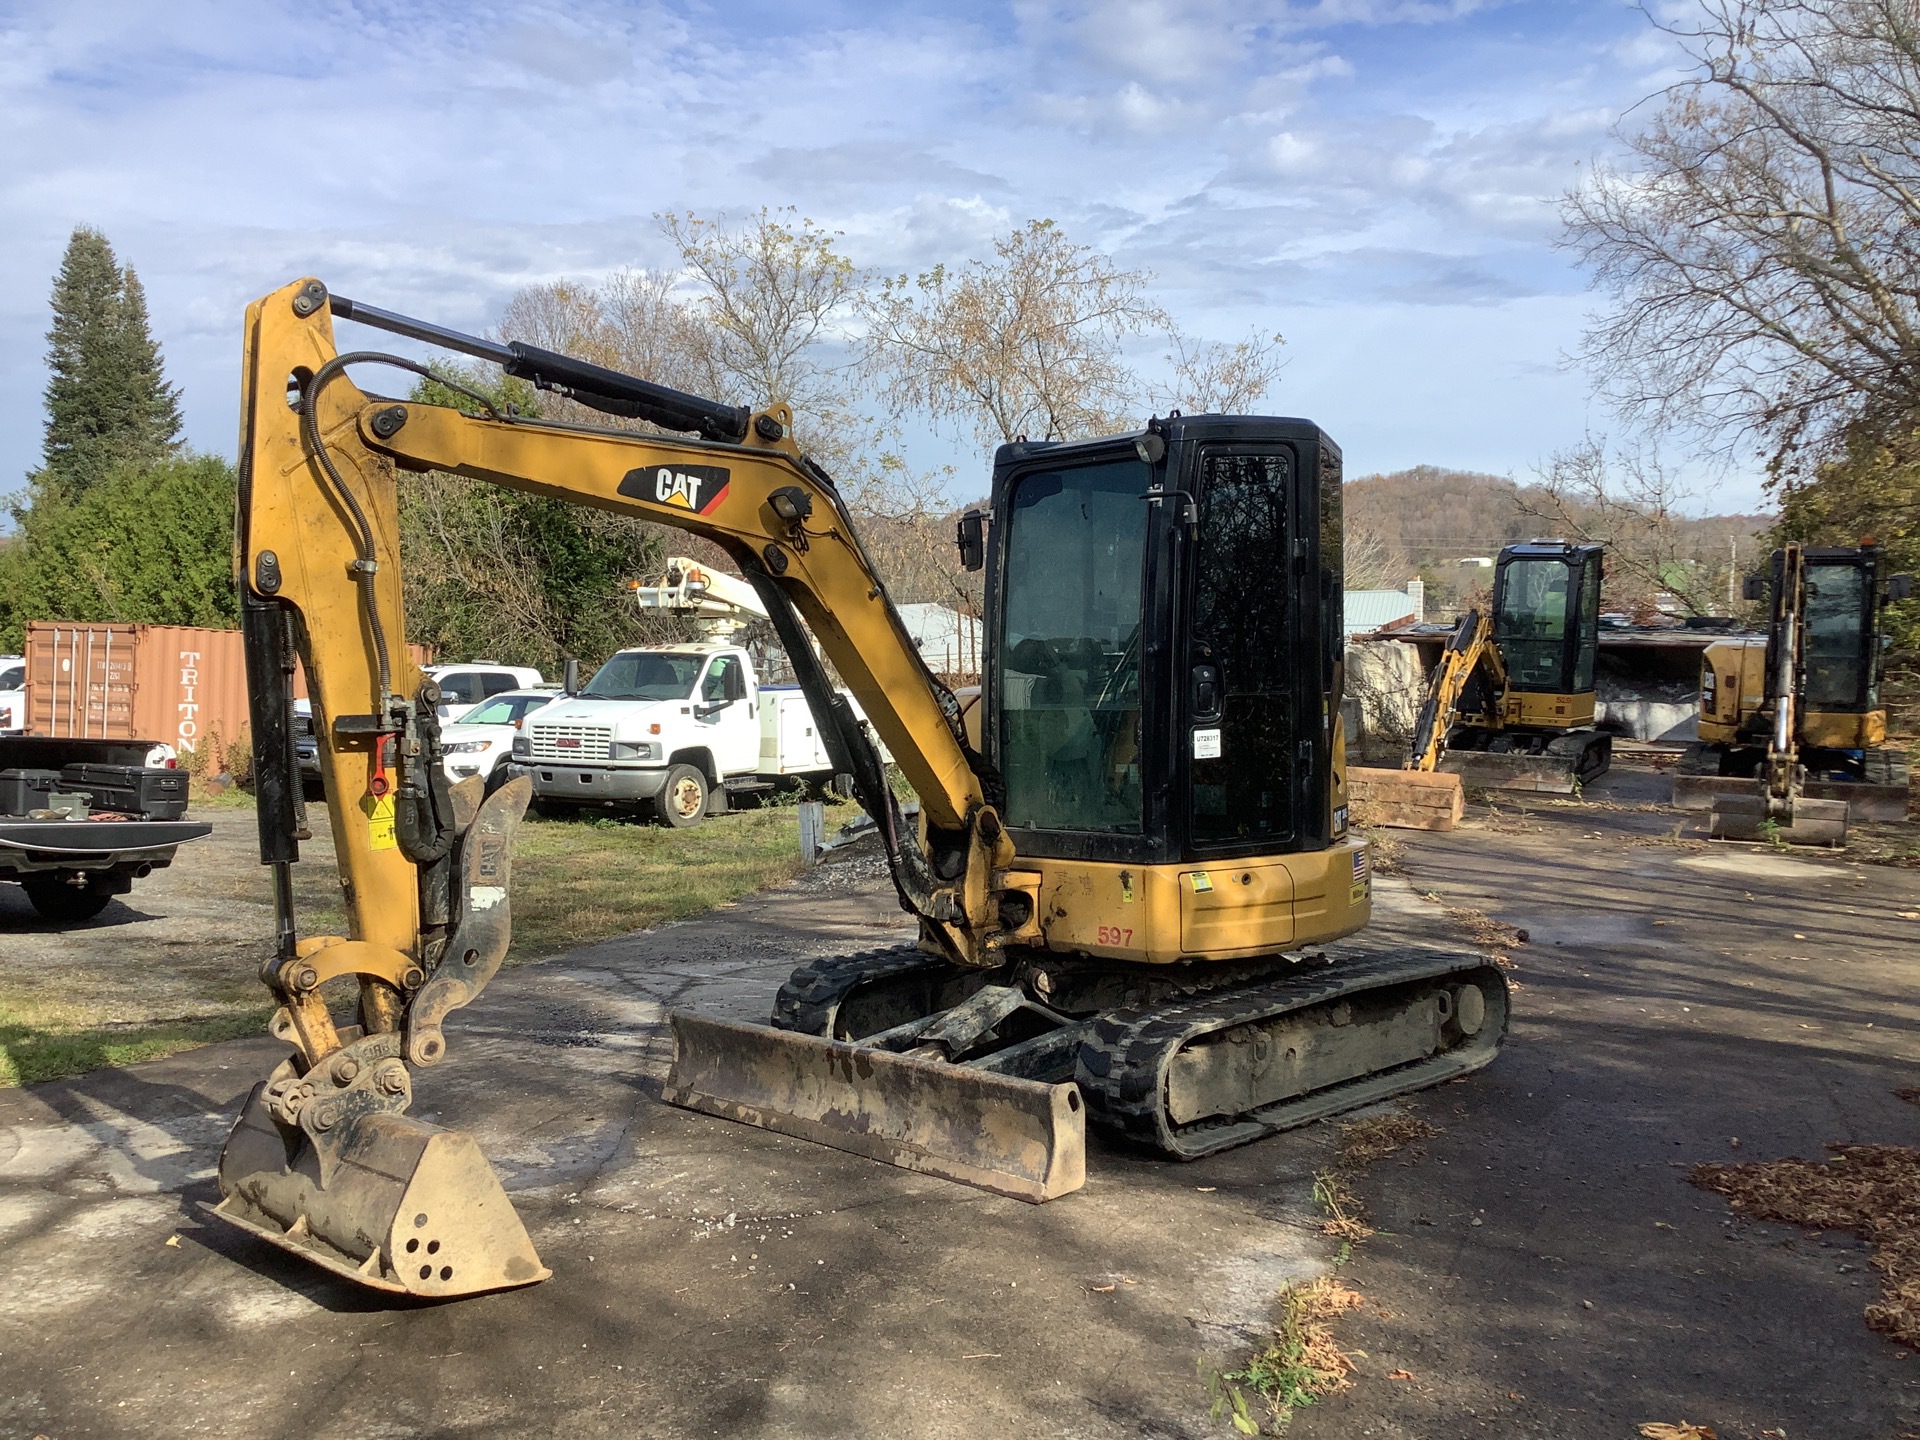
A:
(972, 540)
(1899, 587)
(1754, 587)
(570, 678)
(734, 683)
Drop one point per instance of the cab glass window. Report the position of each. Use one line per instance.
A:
(1530, 624)
(1069, 682)
(1244, 757)
(1836, 645)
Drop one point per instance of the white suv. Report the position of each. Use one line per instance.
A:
(480, 742)
(464, 686)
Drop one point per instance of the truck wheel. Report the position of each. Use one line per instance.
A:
(56, 900)
(682, 802)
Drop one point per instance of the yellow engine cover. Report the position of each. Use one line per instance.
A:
(1733, 686)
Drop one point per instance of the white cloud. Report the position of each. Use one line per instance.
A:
(1271, 160)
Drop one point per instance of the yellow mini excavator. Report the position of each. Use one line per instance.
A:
(1793, 733)
(1132, 854)
(1510, 705)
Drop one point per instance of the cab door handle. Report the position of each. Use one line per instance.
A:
(1206, 694)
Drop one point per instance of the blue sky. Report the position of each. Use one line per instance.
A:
(1374, 179)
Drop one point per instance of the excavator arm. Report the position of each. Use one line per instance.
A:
(1469, 648)
(323, 1161)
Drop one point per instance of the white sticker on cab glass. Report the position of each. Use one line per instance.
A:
(1206, 744)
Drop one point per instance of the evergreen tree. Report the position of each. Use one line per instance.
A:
(149, 544)
(108, 403)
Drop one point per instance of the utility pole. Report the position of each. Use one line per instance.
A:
(1733, 568)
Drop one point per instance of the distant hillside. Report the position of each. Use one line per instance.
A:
(1427, 520)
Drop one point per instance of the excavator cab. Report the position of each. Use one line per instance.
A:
(1840, 691)
(1165, 634)
(1546, 622)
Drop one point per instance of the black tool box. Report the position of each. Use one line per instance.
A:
(25, 790)
(130, 789)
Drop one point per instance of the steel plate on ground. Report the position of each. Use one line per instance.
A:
(1021, 1138)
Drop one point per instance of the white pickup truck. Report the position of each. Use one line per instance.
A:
(672, 731)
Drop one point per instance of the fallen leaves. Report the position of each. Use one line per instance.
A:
(1399, 1375)
(1367, 1142)
(1685, 1430)
(1871, 1190)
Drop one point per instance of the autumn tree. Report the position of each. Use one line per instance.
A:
(108, 403)
(1030, 342)
(1630, 502)
(1211, 377)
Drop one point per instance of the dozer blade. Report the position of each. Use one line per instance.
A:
(1806, 822)
(1485, 770)
(407, 1207)
(1405, 799)
(1021, 1138)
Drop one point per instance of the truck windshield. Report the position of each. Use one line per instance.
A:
(645, 675)
(1069, 690)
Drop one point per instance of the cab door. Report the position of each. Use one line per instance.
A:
(1249, 752)
(723, 713)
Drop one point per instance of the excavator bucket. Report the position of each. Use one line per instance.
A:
(323, 1163)
(406, 1206)
(1406, 799)
(1022, 1138)
(1805, 822)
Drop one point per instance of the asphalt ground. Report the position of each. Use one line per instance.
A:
(1546, 1268)
(711, 1279)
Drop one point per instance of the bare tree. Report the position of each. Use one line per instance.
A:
(1629, 502)
(1209, 377)
(1027, 343)
(1372, 562)
(770, 292)
(1763, 250)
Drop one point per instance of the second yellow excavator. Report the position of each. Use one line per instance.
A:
(1130, 869)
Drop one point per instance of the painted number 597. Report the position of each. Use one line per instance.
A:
(1116, 935)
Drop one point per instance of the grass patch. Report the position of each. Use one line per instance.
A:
(1871, 1190)
(30, 1054)
(121, 997)
(1297, 1364)
(576, 881)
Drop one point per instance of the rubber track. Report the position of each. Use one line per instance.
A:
(812, 993)
(1124, 1059)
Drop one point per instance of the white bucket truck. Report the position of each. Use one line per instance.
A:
(676, 730)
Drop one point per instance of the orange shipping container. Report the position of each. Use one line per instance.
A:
(172, 683)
